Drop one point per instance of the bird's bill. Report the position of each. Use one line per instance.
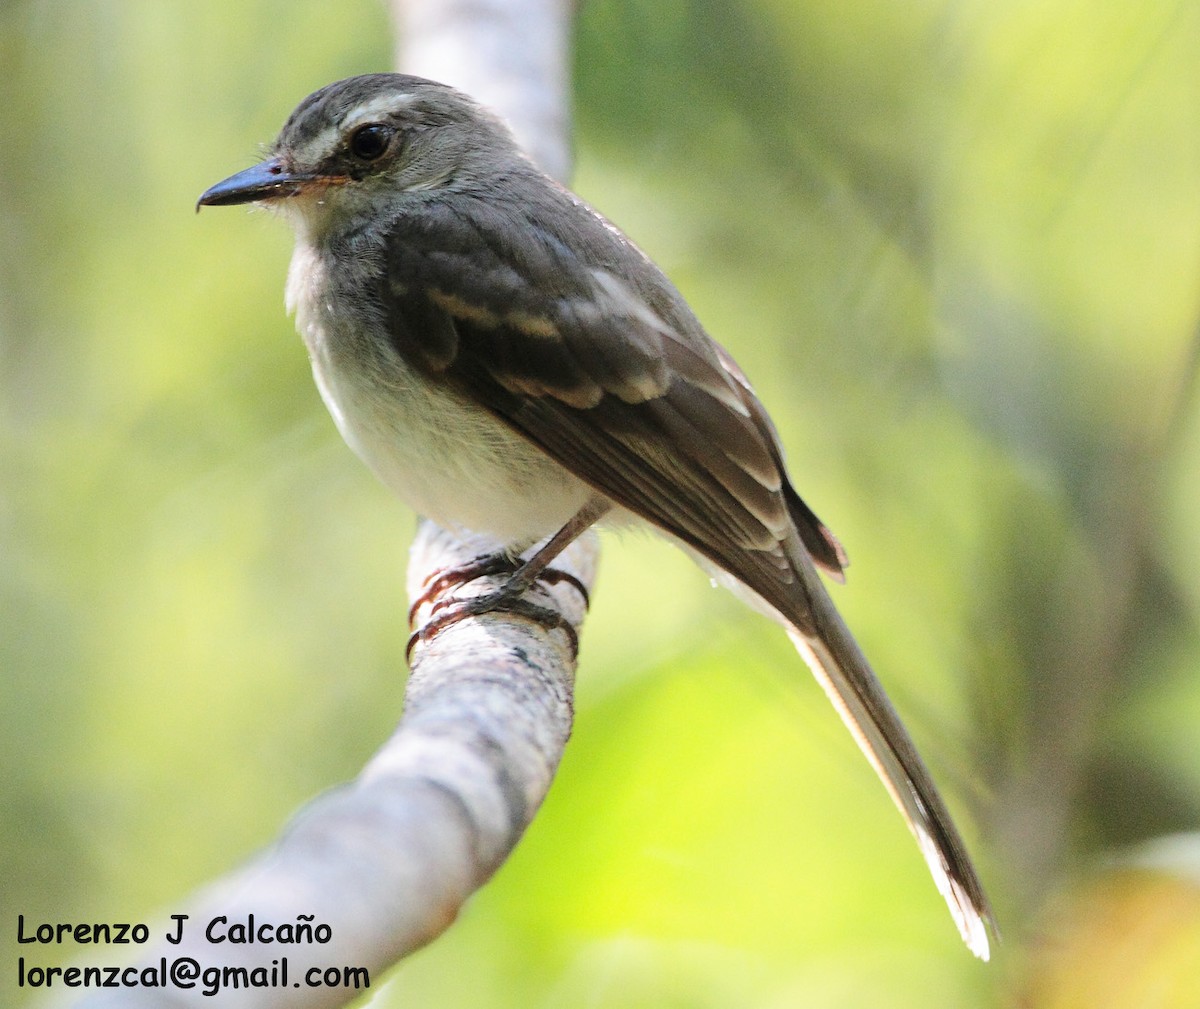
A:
(266, 181)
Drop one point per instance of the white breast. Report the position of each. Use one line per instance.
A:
(447, 458)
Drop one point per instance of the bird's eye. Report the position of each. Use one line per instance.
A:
(371, 141)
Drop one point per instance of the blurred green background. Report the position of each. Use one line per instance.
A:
(956, 245)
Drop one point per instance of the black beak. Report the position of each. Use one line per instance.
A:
(266, 181)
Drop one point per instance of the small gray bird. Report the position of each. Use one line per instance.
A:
(508, 362)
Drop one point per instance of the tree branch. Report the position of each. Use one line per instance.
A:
(512, 55)
(387, 861)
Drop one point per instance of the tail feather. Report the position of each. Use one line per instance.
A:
(823, 640)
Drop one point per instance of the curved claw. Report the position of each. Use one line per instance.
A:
(452, 611)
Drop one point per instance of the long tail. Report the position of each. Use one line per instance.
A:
(822, 638)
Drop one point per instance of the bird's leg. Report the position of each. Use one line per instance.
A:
(524, 573)
(535, 568)
(507, 598)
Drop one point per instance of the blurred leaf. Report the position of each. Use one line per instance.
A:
(1123, 939)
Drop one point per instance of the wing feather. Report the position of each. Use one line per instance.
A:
(605, 368)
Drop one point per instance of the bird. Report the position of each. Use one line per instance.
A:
(508, 362)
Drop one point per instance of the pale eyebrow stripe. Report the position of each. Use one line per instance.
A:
(378, 107)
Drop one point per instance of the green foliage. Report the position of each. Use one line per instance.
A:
(957, 248)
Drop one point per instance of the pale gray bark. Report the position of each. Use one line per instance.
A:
(388, 860)
(513, 55)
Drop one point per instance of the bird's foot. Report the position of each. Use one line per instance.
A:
(505, 599)
(481, 567)
(451, 612)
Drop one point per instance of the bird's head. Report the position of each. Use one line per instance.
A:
(362, 146)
